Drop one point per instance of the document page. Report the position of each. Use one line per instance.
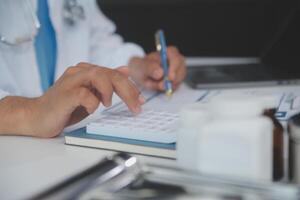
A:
(159, 101)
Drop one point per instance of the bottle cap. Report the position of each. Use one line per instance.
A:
(195, 114)
(237, 106)
(269, 101)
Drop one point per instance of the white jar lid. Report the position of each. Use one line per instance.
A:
(269, 101)
(237, 106)
(195, 114)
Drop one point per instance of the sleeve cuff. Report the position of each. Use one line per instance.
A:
(3, 94)
(125, 53)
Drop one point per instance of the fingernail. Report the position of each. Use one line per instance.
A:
(137, 109)
(142, 99)
(156, 73)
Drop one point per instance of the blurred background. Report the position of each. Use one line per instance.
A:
(233, 28)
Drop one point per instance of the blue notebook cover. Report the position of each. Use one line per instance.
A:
(81, 133)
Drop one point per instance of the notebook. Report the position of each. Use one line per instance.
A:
(81, 138)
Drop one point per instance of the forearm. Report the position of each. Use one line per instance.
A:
(73, 96)
(16, 115)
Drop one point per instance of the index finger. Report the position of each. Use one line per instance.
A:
(127, 91)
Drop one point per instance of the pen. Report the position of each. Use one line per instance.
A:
(161, 47)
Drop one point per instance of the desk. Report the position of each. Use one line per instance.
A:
(30, 165)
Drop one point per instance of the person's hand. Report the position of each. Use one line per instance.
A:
(148, 71)
(78, 93)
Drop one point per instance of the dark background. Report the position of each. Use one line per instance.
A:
(200, 27)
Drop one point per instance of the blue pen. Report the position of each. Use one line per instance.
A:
(161, 47)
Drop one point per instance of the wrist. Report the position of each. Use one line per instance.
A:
(32, 110)
(135, 61)
(135, 67)
(18, 115)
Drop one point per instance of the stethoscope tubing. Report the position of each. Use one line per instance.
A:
(73, 12)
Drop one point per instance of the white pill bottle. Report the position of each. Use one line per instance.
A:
(192, 119)
(235, 141)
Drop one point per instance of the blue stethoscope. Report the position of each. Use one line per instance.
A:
(72, 13)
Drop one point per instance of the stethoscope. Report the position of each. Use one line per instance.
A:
(72, 13)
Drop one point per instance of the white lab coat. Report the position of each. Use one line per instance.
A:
(91, 40)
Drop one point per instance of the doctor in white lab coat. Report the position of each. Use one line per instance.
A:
(87, 71)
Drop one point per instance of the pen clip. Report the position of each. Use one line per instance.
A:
(157, 41)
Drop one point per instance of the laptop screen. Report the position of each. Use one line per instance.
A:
(283, 55)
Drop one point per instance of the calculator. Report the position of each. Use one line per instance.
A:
(150, 125)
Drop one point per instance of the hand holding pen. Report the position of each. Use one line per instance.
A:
(148, 70)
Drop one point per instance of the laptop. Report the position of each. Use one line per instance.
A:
(279, 63)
